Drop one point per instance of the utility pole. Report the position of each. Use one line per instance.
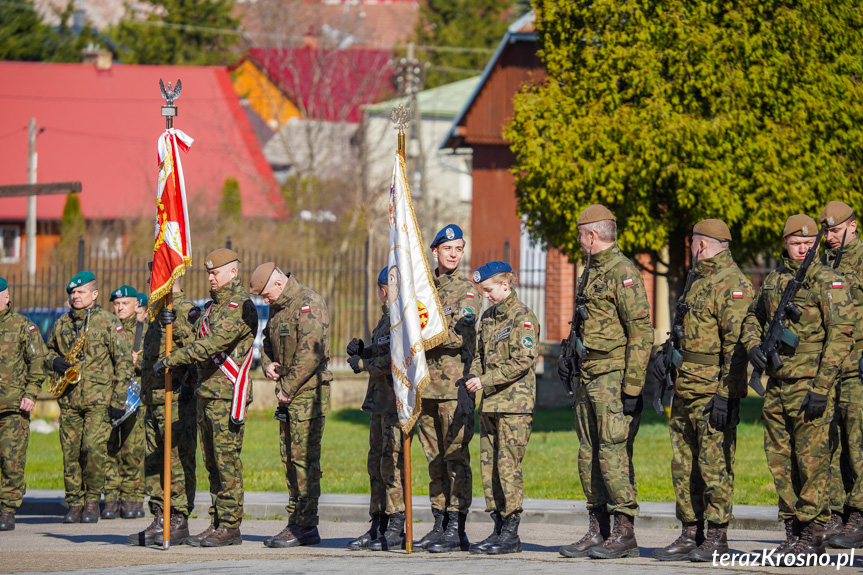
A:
(30, 228)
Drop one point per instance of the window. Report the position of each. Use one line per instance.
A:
(10, 244)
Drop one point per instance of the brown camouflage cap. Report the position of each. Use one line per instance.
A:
(800, 225)
(220, 257)
(716, 229)
(836, 213)
(260, 277)
(595, 213)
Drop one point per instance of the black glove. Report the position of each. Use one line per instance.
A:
(632, 404)
(159, 367)
(115, 413)
(564, 368)
(860, 369)
(354, 361)
(281, 414)
(814, 405)
(61, 365)
(167, 316)
(355, 347)
(718, 409)
(659, 371)
(186, 393)
(757, 358)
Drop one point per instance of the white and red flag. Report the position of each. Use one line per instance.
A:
(172, 252)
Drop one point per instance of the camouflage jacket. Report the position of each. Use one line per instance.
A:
(714, 362)
(448, 362)
(506, 357)
(106, 366)
(617, 332)
(380, 396)
(233, 321)
(130, 326)
(183, 334)
(851, 268)
(22, 360)
(297, 338)
(825, 328)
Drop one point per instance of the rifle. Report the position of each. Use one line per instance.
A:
(671, 347)
(776, 333)
(840, 250)
(573, 348)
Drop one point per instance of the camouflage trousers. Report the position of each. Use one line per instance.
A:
(221, 447)
(702, 461)
(445, 439)
(84, 441)
(14, 436)
(300, 442)
(503, 440)
(184, 432)
(798, 451)
(846, 442)
(124, 473)
(385, 464)
(606, 436)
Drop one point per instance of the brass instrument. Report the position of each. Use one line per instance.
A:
(59, 384)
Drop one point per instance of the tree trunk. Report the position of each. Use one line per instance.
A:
(678, 264)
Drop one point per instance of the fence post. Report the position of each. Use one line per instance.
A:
(228, 242)
(80, 253)
(366, 294)
(506, 250)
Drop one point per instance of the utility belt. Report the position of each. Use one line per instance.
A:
(700, 358)
(587, 354)
(813, 347)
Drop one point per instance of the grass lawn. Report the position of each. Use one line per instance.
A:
(550, 467)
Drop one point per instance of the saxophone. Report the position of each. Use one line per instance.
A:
(59, 384)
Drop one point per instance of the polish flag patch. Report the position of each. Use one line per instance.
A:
(32, 328)
(470, 295)
(305, 309)
(737, 294)
(233, 304)
(837, 285)
(528, 324)
(119, 328)
(628, 282)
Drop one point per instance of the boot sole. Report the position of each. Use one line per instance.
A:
(95, 520)
(139, 540)
(574, 554)
(670, 558)
(514, 549)
(595, 554)
(842, 545)
(450, 549)
(238, 541)
(291, 543)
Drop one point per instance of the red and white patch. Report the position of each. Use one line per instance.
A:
(119, 328)
(305, 309)
(470, 295)
(737, 294)
(628, 282)
(32, 328)
(837, 285)
(528, 324)
(233, 304)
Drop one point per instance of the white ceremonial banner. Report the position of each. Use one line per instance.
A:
(416, 319)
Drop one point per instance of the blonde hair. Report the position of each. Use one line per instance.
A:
(508, 277)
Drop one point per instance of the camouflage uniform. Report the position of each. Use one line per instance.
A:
(714, 363)
(385, 433)
(84, 423)
(183, 412)
(846, 473)
(798, 451)
(505, 364)
(297, 337)
(445, 436)
(124, 473)
(618, 338)
(22, 373)
(233, 321)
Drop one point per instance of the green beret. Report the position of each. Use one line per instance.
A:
(595, 213)
(3, 284)
(123, 291)
(81, 278)
(142, 299)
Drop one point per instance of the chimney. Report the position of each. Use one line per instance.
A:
(94, 54)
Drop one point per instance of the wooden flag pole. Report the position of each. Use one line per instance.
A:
(169, 401)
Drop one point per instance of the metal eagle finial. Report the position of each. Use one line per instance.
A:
(401, 117)
(171, 94)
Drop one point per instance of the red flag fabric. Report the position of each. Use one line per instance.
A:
(172, 252)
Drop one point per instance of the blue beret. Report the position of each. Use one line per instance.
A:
(490, 269)
(142, 300)
(81, 278)
(123, 291)
(3, 284)
(383, 277)
(449, 233)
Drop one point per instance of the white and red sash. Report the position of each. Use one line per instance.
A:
(237, 375)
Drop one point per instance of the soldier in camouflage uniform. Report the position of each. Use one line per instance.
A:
(385, 463)
(799, 401)
(22, 373)
(295, 356)
(124, 474)
(184, 429)
(504, 371)
(708, 386)
(86, 408)
(444, 431)
(617, 337)
(227, 325)
(846, 474)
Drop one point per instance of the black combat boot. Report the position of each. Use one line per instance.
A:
(691, 536)
(440, 525)
(621, 542)
(598, 528)
(834, 526)
(508, 540)
(112, 508)
(376, 529)
(792, 534)
(852, 535)
(294, 536)
(147, 536)
(90, 514)
(74, 514)
(811, 541)
(715, 543)
(393, 537)
(7, 521)
(483, 545)
(454, 538)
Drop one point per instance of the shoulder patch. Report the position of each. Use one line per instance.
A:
(528, 324)
(233, 304)
(470, 295)
(527, 342)
(628, 282)
(193, 314)
(31, 329)
(468, 311)
(737, 294)
(119, 328)
(836, 285)
(305, 309)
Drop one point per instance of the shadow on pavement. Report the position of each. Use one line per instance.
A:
(90, 538)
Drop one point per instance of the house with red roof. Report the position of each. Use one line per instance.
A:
(100, 127)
